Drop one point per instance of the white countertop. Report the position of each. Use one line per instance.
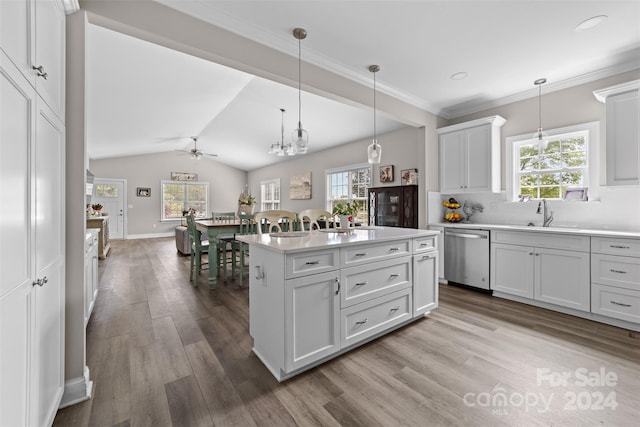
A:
(539, 229)
(315, 240)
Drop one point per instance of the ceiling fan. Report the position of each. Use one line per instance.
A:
(195, 153)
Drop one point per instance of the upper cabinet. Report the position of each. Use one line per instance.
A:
(32, 35)
(470, 156)
(622, 106)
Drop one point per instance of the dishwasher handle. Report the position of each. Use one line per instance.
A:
(467, 235)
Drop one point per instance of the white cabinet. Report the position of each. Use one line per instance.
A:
(307, 306)
(32, 232)
(470, 156)
(90, 272)
(541, 266)
(615, 278)
(622, 107)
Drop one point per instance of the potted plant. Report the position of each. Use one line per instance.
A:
(345, 212)
(246, 203)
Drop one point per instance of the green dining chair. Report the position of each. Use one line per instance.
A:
(199, 248)
(224, 243)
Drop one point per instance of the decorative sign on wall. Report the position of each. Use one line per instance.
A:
(409, 176)
(143, 192)
(386, 173)
(300, 186)
(184, 176)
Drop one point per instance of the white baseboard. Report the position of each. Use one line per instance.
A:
(150, 236)
(77, 390)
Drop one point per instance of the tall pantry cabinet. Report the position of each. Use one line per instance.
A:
(32, 208)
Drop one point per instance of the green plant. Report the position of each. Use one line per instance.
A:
(246, 199)
(96, 206)
(345, 208)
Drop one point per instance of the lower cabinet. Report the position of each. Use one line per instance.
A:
(90, 273)
(306, 306)
(542, 272)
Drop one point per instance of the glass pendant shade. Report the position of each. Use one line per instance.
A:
(300, 138)
(374, 153)
(539, 138)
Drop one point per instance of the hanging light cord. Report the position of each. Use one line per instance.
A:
(375, 135)
(299, 85)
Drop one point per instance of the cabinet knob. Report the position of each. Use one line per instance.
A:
(40, 71)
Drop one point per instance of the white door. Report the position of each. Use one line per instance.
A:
(111, 194)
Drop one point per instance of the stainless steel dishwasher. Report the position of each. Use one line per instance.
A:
(466, 257)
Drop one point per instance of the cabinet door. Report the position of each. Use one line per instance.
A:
(425, 283)
(512, 269)
(562, 278)
(452, 162)
(312, 319)
(50, 53)
(478, 159)
(16, 22)
(623, 139)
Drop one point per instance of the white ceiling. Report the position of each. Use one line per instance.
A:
(144, 98)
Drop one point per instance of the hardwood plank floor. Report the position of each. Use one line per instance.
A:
(162, 353)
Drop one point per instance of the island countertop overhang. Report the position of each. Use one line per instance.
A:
(316, 239)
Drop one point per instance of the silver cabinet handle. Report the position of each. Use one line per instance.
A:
(393, 276)
(422, 245)
(362, 322)
(40, 71)
(312, 262)
(395, 309)
(41, 282)
(619, 303)
(425, 257)
(259, 273)
(361, 254)
(617, 271)
(338, 282)
(619, 246)
(361, 283)
(394, 249)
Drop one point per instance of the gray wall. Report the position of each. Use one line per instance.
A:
(561, 108)
(143, 219)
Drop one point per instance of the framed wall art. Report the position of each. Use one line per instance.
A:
(386, 173)
(300, 186)
(184, 176)
(143, 192)
(409, 176)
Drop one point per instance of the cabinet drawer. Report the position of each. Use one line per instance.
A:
(368, 253)
(369, 318)
(542, 240)
(623, 272)
(623, 304)
(306, 263)
(364, 282)
(425, 244)
(615, 246)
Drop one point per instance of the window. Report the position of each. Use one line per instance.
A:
(270, 195)
(106, 190)
(178, 197)
(350, 183)
(568, 160)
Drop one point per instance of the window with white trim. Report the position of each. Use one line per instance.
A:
(349, 183)
(270, 194)
(178, 197)
(568, 159)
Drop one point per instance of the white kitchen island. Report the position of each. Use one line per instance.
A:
(315, 295)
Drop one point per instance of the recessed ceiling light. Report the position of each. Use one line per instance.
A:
(591, 22)
(459, 76)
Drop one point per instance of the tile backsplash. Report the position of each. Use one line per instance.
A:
(617, 209)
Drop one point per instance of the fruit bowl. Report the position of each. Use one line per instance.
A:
(453, 220)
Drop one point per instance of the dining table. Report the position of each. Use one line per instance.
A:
(213, 229)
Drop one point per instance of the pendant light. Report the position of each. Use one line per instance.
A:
(540, 137)
(299, 136)
(279, 148)
(374, 151)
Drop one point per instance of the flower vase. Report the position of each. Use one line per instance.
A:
(346, 221)
(246, 209)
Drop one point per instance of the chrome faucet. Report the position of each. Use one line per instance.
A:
(547, 216)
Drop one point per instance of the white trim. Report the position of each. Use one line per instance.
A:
(593, 159)
(492, 120)
(602, 94)
(151, 235)
(77, 390)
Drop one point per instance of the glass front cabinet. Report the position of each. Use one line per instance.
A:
(394, 206)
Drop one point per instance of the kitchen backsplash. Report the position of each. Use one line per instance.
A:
(617, 209)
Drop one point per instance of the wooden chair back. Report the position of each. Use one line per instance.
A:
(279, 219)
(313, 215)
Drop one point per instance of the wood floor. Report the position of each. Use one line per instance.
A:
(162, 353)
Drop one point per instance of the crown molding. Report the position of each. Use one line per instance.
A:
(602, 94)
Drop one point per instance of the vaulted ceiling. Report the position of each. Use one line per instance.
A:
(145, 98)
